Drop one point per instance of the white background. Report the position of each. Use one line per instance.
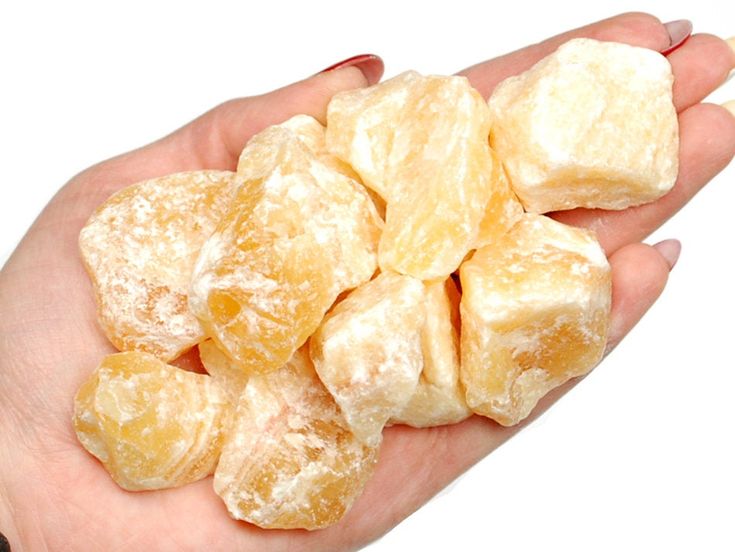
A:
(639, 456)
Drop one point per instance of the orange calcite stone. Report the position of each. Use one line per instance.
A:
(368, 352)
(291, 460)
(312, 133)
(421, 143)
(139, 249)
(439, 397)
(502, 211)
(592, 125)
(152, 425)
(535, 313)
(224, 371)
(297, 234)
(324, 310)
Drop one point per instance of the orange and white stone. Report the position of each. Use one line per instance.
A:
(152, 425)
(225, 372)
(368, 351)
(421, 144)
(297, 234)
(313, 134)
(439, 398)
(535, 313)
(139, 249)
(592, 125)
(290, 460)
(503, 209)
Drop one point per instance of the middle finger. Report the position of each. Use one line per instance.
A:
(706, 146)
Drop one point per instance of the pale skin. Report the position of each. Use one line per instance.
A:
(54, 495)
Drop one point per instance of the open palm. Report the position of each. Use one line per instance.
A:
(53, 494)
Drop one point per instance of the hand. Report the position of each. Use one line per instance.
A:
(60, 496)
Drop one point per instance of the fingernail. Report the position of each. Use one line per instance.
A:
(370, 65)
(669, 250)
(730, 106)
(679, 31)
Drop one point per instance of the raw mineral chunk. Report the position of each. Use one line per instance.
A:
(152, 425)
(535, 310)
(312, 133)
(592, 125)
(368, 351)
(297, 234)
(224, 371)
(503, 209)
(290, 460)
(439, 398)
(139, 249)
(421, 144)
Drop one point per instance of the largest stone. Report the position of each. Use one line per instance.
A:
(592, 125)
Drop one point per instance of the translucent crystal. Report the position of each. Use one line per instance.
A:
(421, 143)
(368, 351)
(152, 425)
(503, 209)
(535, 312)
(439, 398)
(297, 234)
(291, 460)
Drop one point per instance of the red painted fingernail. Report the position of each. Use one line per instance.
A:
(669, 250)
(370, 65)
(679, 31)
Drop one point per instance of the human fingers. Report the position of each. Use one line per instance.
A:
(235, 121)
(640, 273)
(701, 65)
(706, 146)
(215, 139)
(636, 29)
(212, 141)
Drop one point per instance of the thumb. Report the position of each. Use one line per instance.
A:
(228, 127)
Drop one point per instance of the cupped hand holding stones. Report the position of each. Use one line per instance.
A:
(41, 451)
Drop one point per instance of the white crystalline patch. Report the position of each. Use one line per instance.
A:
(544, 237)
(368, 351)
(277, 460)
(140, 248)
